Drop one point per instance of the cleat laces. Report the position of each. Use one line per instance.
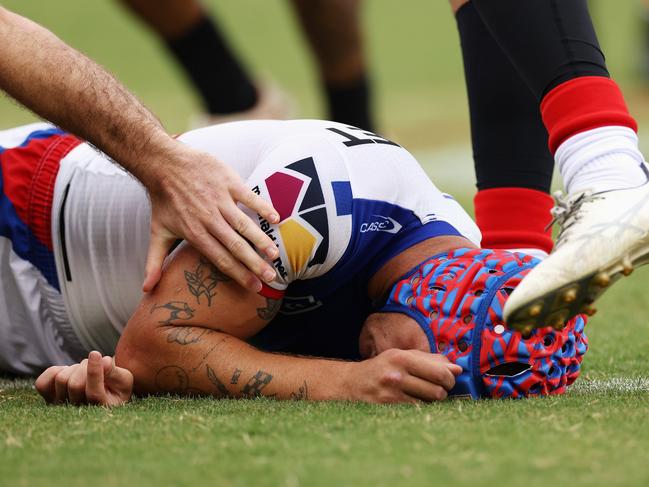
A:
(566, 212)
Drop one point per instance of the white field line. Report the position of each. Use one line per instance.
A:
(10, 385)
(620, 385)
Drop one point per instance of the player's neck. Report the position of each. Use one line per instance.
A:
(396, 267)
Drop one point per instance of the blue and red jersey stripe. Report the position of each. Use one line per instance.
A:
(27, 178)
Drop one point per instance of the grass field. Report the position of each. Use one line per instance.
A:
(597, 434)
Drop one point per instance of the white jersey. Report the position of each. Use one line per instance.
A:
(348, 200)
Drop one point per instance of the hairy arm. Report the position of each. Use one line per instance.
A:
(193, 195)
(62, 85)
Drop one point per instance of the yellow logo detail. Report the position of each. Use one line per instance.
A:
(298, 243)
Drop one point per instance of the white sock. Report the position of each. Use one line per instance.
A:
(601, 159)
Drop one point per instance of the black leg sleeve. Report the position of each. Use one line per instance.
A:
(510, 143)
(548, 41)
(351, 103)
(212, 65)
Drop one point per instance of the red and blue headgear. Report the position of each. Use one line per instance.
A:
(458, 297)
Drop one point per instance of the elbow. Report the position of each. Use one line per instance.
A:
(139, 360)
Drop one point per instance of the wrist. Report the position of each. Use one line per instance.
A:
(153, 164)
(341, 385)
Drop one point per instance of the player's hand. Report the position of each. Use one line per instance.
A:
(96, 380)
(402, 376)
(195, 198)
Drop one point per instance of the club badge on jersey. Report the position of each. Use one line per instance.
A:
(458, 297)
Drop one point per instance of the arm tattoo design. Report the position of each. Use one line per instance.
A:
(302, 394)
(271, 309)
(221, 390)
(178, 310)
(172, 379)
(256, 383)
(235, 376)
(187, 335)
(203, 281)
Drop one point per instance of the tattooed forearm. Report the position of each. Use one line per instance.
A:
(256, 384)
(187, 335)
(178, 310)
(271, 309)
(235, 376)
(203, 281)
(221, 390)
(302, 394)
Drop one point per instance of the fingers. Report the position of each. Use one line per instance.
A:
(61, 384)
(94, 388)
(85, 382)
(108, 363)
(256, 203)
(118, 380)
(77, 384)
(248, 229)
(159, 245)
(455, 369)
(241, 237)
(45, 383)
(432, 368)
(422, 389)
(224, 259)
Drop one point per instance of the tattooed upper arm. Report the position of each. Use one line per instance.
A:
(203, 279)
(193, 291)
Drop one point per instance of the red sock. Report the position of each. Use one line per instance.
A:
(583, 104)
(514, 218)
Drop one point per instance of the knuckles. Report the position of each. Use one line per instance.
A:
(76, 385)
(241, 226)
(236, 246)
(395, 357)
(390, 378)
(61, 380)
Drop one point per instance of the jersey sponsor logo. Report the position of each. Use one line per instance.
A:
(303, 225)
(268, 229)
(381, 223)
(294, 305)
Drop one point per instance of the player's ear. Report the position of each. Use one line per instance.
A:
(366, 345)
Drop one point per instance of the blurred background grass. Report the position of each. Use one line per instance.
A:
(413, 49)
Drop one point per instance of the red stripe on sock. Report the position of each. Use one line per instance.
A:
(583, 104)
(512, 218)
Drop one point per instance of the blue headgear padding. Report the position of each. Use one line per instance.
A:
(457, 298)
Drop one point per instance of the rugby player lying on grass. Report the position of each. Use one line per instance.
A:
(375, 263)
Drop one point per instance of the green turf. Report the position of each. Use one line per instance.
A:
(598, 434)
